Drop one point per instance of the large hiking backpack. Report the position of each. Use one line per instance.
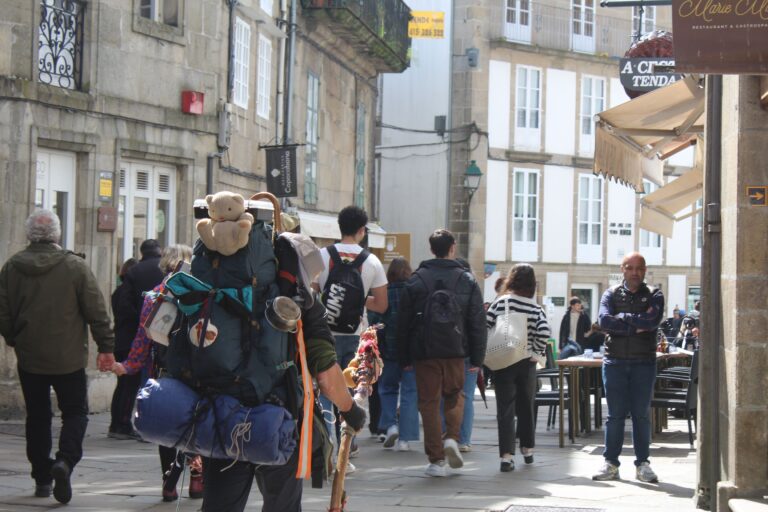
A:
(344, 292)
(443, 320)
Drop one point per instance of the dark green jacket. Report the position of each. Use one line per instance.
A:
(47, 297)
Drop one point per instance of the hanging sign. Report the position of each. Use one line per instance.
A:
(281, 171)
(640, 74)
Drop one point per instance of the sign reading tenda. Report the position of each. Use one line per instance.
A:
(640, 74)
(721, 36)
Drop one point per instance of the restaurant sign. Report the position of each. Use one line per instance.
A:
(721, 36)
(643, 74)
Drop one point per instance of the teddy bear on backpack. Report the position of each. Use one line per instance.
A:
(227, 229)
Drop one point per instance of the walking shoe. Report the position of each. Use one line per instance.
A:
(452, 453)
(465, 448)
(644, 473)
(527, 455)
(382, 437)
(196, 486)
(42, 490)
(436, 469)
(62, 488)
(354, 450)
(507, 465)
(392, 434)
(170, 495)
(403, 446)
(607, 472)
(125, 436)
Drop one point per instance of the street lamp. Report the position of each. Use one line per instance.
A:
(472, 177)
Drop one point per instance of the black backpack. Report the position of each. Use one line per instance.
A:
(344, 292)
(443, 317)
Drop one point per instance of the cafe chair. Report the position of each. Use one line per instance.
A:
(551, 398)
(665, 397)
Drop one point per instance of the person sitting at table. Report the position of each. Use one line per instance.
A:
(594, 338)
(515, 385)
(630, 314)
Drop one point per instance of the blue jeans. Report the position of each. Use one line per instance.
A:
(470, 383)
(346, 346)
(394, 382)
(628, 389)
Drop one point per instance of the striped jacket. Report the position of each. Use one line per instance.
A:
(538, 326)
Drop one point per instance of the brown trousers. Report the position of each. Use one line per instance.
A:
(440, 380)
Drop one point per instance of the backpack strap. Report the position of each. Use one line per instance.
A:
(304, 469)
(335, 258)
(430, 282)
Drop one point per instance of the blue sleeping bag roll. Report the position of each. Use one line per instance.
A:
(170, 413)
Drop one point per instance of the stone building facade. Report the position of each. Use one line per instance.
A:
(91, 121)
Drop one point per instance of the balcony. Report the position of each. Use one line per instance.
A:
(375, 28)
(578, 30)
(60, 43)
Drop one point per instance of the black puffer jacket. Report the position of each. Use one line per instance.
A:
(413, 300)
(142, 277)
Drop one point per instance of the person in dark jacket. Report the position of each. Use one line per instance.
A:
(574, 325)
(141, 278)
(46, 282)
(439, 288)
(630, 314)
(125, 391)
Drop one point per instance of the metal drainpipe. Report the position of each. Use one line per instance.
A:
(279, 117)
(449, 118)
(712, 304)
(231, 62)
(288, 124)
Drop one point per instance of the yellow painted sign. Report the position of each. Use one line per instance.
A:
(105, 186)
(427, 25)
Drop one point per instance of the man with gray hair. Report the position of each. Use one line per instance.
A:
(47, 296)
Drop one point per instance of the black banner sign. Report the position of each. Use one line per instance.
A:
(639, 74)
(281, 171)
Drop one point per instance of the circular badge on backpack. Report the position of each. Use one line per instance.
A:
(211, 333)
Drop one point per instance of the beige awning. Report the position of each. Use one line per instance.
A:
(658, 210)
(376, 236)
(632, 139)
(318, 225)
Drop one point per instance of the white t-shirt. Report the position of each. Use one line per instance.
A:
(372, 272)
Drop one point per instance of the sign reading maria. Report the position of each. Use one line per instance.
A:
(640, 74)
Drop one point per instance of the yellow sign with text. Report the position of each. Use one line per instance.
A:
(427, 25)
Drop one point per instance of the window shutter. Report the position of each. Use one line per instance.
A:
(142, 180)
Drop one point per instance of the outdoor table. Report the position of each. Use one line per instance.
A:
(577, 363)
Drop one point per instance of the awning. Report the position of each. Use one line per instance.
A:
(633, 139)
(658, 210)
(317, 225)
(376, 236)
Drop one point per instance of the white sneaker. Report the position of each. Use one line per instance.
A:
(403, 446)
(436, 469)
(644, 473)
(350, 468)
(465, 448)
(452, 453)
(392, 434)
(607, 472)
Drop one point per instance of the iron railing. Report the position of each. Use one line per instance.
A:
(384, 21)
(60, 43)
(554, 27)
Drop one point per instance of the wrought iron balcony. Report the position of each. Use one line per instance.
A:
(375, 27)
(60, 43)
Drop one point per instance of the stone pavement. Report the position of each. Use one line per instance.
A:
(124, 476)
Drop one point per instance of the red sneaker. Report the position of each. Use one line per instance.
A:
(170, 495)
(196, 486)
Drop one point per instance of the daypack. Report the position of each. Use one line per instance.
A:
(443, 317)
(344, 292)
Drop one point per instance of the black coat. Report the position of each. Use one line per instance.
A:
(141, 278)
(581, 328)
(413, 300)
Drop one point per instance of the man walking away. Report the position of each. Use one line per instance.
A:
(441, 321)
(45, 282)
(630, 314)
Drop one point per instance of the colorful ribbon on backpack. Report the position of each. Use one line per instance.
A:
(305, 444)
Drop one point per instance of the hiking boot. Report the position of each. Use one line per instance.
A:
(42, 490)
(196, 486)
(392, 434)
(452, 453)
(62, 488)
(644, 473)
(607, 472)
(465, 448)
(403, 446)
(436, 469)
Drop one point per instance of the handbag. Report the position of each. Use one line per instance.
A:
(161, 317)
(508, 341)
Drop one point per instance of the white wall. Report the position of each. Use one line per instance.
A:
(559, 215)
(499, 103)
(679, 246)
(621, 210)
(496, 212)
(617, 94)
(560, 112)
(684, 158)
(676, 293)
(557, 286)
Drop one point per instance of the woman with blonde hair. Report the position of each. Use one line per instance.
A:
(515, 385)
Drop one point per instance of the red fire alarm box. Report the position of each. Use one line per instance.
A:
(192, 102)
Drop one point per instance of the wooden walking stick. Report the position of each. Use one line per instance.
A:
(363, 371)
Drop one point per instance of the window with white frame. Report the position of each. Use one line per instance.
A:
(242, 62)
(592, 102)
(266, 6)
(699, 224)
(310, 155)
(649, 239)
(517, 22)
(360, 150)
(583, 25)
(528, 98)
(161, 11)
(649, 19)
(525, 205)
(146, 207)
(265, 76)
(590, 210)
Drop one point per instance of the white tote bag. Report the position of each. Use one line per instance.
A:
(508, 340)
